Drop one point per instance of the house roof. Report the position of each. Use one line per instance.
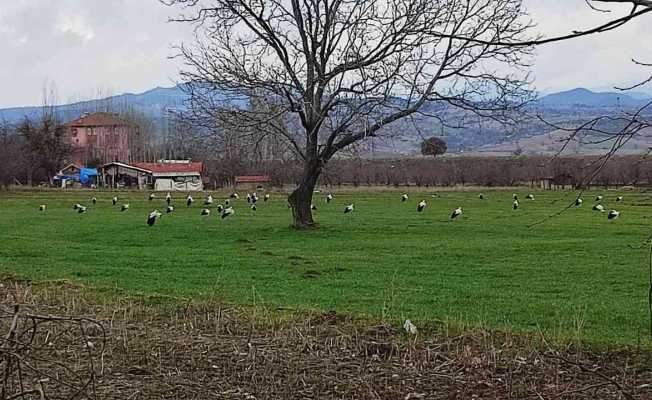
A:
(172, 168)
(252, 179)
(97, 119)
(127, 166)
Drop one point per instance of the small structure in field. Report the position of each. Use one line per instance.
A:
(168, 175)
(75, 175)
(251, 182)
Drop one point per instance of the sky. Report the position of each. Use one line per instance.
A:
(94, 48)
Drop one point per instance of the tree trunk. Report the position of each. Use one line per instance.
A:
(301, 198)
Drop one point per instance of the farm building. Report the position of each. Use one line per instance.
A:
(165, 176)
(251, 181)
(98, 137)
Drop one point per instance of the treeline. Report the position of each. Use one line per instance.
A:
(569, 172)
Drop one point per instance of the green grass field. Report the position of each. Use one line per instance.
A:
(575, 276)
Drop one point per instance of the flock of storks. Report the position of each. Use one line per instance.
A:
(225, 210)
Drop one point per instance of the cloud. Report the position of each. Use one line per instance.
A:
(116, 46)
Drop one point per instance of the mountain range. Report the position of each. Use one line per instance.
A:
(567, 107)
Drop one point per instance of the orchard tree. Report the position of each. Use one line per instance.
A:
(341, 71)
(433, 146)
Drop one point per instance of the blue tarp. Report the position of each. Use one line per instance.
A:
(85, 174)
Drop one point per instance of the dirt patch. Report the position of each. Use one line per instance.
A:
(124, 348)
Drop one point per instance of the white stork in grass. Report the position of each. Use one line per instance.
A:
(578, 202)
(189, 200)
(266, 197)
(619, 198)
(209, 200)
(226, 212)
(404, 198)
(205, 212)
(515, 204)
(598, 207)
(227, 202)
(598, 198)
(94, 200)
(253, 207)
(481, 196)
(421, 206)
(410, 327)
(81, 209)
(220, 208)
(248, 198)
(254, 198)
(168, 198)
(76, 206)
(514, 196)
(613, 214)
(124, 207)
(234, 195)
(42, 207)
(530, 196)
(151, 196)
(114, 200)
(348, 209)
(313, 207)
(329, 198)
(456, 212)
(152, 217)
(169, 209)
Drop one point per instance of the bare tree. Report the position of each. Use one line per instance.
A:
(341, 71)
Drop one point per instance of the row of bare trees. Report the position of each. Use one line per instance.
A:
(536, 171)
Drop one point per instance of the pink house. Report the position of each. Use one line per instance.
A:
(99, 137)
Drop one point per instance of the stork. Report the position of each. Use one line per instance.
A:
(530, 196)
(76, 206)
(227, 211)
(266, 197)
(515, 204)
(169, 209)
(220, 208)
(410, 327)
(515, 196)
(205, 212)
(578, 202)
(456, 212)
(114, 200)
(329, 198)
(234, 195)
(598, 198)
(124, 207)
(151, 196)
(227, 202)
(348, 209)
(404, 198)
(619, 198)
(153, 216)
(168, 198)
(189, 200)
(313, 207)
(42, 207)
(81, 209)
(253, 207)
(421, 206)
(94, 200)
(209, 200)
(598, 207)
(613, 214)
(481, 196)
(248, 198)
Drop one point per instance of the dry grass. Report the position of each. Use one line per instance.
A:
(204, 351)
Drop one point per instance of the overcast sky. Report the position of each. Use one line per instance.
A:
(104, 47)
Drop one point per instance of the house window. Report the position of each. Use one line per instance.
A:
(74, 132)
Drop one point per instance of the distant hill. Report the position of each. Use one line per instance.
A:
(153, 103)
(568, 108)
(579, 98)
